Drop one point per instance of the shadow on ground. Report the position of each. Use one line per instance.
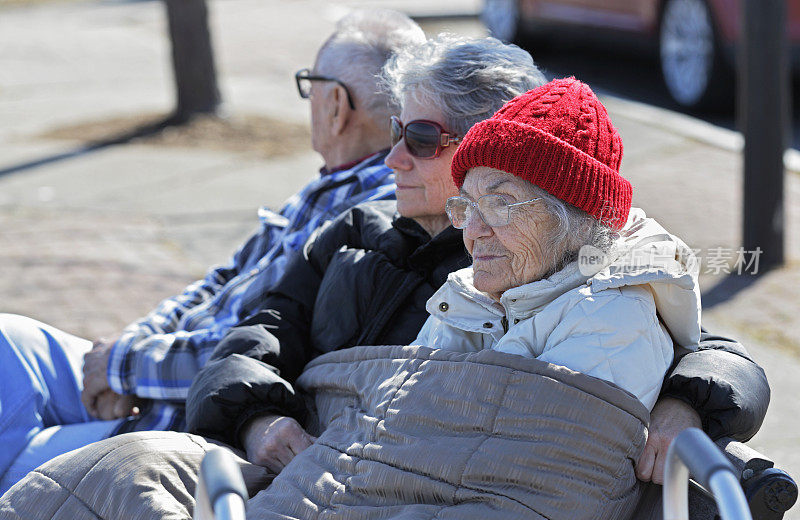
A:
(120, 138)
(729, 287)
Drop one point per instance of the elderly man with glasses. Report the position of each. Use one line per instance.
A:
(49, 405)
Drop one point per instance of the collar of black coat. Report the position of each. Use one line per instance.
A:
(445, 252)
(410, 227)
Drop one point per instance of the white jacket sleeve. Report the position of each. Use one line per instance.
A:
(614, 335)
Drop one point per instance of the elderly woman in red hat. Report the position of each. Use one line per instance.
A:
(563, 270)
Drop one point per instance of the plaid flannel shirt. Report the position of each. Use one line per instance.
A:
(158, 356)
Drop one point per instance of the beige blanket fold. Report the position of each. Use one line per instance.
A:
(411, 432)
(136, 476)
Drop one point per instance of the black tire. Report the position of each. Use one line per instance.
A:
(693, 66)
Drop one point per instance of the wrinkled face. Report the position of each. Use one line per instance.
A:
(423, 185)
(321, 106)
(318, 136)
(506, 256)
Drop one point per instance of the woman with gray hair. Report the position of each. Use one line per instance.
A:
(445, 86)
(539, 182)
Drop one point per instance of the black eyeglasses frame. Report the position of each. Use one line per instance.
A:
(305, 74)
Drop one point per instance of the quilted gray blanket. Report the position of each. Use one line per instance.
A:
(404, 432)
(411, 432)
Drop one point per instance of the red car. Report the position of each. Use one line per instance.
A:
(695, 38)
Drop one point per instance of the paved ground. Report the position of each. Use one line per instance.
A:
(93, 241)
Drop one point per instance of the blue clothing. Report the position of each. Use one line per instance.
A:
(158, 356)
(52, 442)
(40, 389)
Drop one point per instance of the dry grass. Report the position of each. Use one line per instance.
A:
(259, 135)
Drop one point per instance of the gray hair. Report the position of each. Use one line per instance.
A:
(358, 49)
(574, 229)
(469, 79)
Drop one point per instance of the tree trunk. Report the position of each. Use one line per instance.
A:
(192, 58)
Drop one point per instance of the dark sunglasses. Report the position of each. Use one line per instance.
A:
(424, 139)
(303, 77)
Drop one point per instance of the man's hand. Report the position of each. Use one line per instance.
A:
(668, 418)
(111, 405)
(272, 441)
(95, 380)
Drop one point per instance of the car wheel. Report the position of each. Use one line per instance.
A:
(501, 18)
(691, 60)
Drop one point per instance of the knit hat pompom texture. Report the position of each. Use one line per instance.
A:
(558, 137)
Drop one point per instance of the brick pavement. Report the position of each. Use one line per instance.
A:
(89, 276)
(89, 251)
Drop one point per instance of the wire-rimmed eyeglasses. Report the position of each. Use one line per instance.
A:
(493, 209)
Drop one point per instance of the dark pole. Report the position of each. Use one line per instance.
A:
(192, 59)
(763, 109)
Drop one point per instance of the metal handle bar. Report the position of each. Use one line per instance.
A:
(693, 452)
(221, 493)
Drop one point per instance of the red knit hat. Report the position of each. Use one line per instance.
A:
(558, 137)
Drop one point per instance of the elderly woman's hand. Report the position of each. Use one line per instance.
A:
(273, 441)
(668, 418)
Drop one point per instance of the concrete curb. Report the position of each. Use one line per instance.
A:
(688, 126)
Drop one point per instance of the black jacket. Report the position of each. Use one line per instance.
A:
(364, 280)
